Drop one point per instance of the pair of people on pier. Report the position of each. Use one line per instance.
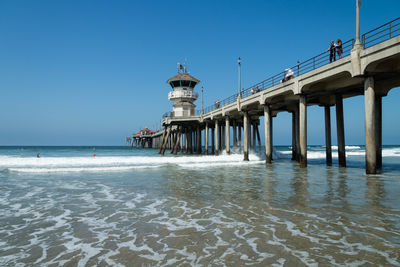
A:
(254, 90)
(335, 48)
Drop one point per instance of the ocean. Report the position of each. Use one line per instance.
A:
(116, 206)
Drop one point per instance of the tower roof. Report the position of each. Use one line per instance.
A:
(183, 77)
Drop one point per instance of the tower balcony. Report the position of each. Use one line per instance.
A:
(182, 94)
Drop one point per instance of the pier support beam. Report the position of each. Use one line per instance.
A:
(206, 139)
(246, 130)
(216, 138)
(162, 140)
(303, 130)
(268, 134)
(190, 141)
(293, 136)
(370, 126)
(240, 137)
(227, 136)
(340, 131)
(178, 140)
(328, 140)
(378, 131)
(198, 140)
(254, 144)
(234, 134)
(164, 146)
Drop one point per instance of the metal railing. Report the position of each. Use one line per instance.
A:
(298, 69)
(375, 36)
(382, 33)
(171, 114)
(187, 94)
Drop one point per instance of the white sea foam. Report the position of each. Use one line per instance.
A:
(116, 163)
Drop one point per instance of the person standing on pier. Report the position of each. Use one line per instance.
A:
(332, 52)
(339, 48)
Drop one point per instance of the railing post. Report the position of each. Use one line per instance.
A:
(313, 63)
(390, 30)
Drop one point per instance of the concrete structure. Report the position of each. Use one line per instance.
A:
(371, 68)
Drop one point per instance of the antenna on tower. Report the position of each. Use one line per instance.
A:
(186, 65)
(178, 65)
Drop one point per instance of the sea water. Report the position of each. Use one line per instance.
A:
(116, 206)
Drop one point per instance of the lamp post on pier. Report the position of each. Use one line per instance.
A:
(202, 101)
(357, 42)
(239, 62)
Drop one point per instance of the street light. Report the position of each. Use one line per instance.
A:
(358, 6)
(202, 101)
(239, 77)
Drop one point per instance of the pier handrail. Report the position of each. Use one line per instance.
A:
(381, 33)
(298, 69)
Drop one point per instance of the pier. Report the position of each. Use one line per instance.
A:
(369, 66)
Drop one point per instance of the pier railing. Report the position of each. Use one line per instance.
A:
(298, 69)
(382, 33)
(373, 37)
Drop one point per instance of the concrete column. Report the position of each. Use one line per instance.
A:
(181, 142)
(240, 137)
(328, 142)
(293, 136)
(186, 140)
(227, 136)
(198, 137)
(219, 137)
(340, 131)
(206, 139)
(234, 134)
(297, 128)
(216, 138)
(162, 139)
(254, 136)
(370, 126)
(190, 141)
(268, 132)
(258, 136)
(246, 129)
(303, 130)
(222, 136)
(378, 102)
(213, 141)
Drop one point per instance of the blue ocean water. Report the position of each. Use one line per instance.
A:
(133, 207)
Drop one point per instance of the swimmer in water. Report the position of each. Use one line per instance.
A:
(38, 155)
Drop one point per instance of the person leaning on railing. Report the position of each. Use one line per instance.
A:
(289, 74)
(217, 103)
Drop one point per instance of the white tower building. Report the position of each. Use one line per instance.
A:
(183, 94)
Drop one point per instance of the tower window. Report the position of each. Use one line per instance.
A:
(185, 83)
(176, 83)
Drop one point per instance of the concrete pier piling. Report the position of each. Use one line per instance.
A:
(206, 139)
(213, 141)
(268, 133)
(303, 130)
(378, 117)
(328, 142)
(216, 138)
(227, 136)
(246, 135)
(234, 134)
(370, 126)
(340, 131)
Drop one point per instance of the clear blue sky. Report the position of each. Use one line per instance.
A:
(93, 72)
